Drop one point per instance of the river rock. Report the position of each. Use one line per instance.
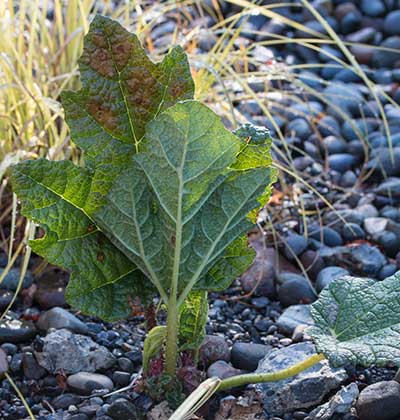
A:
(85, 382)
(3, 363)
(247, 355)
(292, 317)
(51, 291)
(328, 275)
(122, 409)
(368, 259)
(72, 353)
(32, 370)
(60, 318)
(260, 276)
(295, 245)
(296, 289)
(391, 24)
(6, 296)
(222, 370)
(387, 58)
(304, 390)
(11, 280)
(340, 404)
(213, 348)
(379, 401)
(13, 330)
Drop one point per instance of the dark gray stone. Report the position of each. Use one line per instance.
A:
(65, 400)
(126, 364)
(389, 241)
(32, 370)
(300, 128)
(312, 263)
(391, 23)
(295, 245)
(60, 318)
(247, 355)
(387, 271)
(352, 232)
(327, 236)
(292, 317)
(260, 276)
(334, 145)
(382, 161)
(121, 378)
(122, 409)
(222, 370)
(339, 405)
(384, 58)
(341, 162)
(389, 188)
(373, 8)
(305, 389)
(11, 280)
(78, 416)
(84, 383)
(369, 259)
(16, 363)
(328, 275)
(3, 363)
(13, 330)
(344, 97)
(213, 348)
(379, 401)
(295, 290)
(9, 348)
(6, 296)
(367, 210)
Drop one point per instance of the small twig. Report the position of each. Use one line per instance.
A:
(49, 406)
(126, 388)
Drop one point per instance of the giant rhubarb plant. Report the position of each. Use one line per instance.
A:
(163, 204)
(165, 197)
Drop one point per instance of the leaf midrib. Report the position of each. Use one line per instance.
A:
(131, 125)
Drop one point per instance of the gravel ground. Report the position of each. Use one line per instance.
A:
(48, 347)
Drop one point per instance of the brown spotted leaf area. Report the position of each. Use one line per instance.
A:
(122, 90)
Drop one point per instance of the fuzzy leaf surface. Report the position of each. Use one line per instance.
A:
(358, 321)
(181, 205)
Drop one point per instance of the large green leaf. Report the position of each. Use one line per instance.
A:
(122, 89)
(181, 204)
(358, 321)
(173, 213)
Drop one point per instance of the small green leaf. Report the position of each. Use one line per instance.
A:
(358, 321)
(192, 320)
(153, 344)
